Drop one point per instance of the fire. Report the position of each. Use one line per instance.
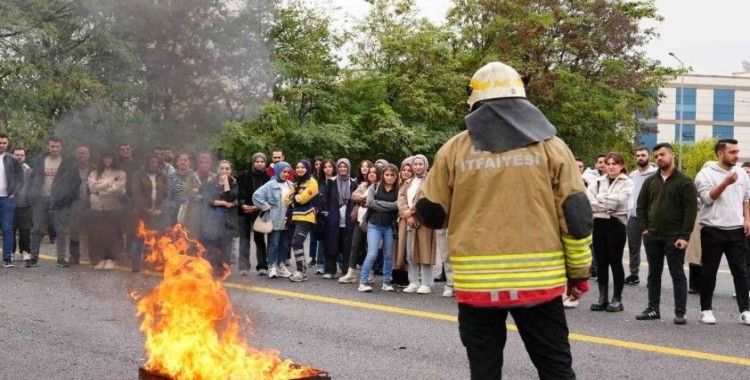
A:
(191, 330)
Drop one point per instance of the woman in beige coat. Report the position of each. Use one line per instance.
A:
(416, 245)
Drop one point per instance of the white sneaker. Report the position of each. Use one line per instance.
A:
(568, 304)
(424, 289)
(109, 265)
(26, 256)
(272, 272)
(448, 291)
(364, 288)
(707, 317)
(327, 276)
(349, 278)
(283, 272)
(387, 288)
(261, 272)
(745, 317)
(100, 265)
(412, 288)
(320, 270)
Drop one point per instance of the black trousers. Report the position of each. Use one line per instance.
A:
(22, 224)
(543, 329)
(609, 243)
(732, 243)
(300, 230)
(657, 248)
(336, 251)
(245, 224)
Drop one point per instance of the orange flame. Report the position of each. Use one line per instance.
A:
(191, 330)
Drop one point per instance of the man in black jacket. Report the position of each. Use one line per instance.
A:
(248, 182)
(667, 206)
(55, 184)
(11, 182)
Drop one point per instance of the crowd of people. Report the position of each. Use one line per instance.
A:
(675, 218)
(357, 221)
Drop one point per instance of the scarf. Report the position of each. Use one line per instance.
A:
(426, 165)
(343, 183)
(278, 169)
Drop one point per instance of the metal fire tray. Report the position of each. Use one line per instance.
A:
(144, 374)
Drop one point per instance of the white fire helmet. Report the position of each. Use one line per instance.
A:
(495, 80)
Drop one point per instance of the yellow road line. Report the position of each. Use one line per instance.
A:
(626, 344)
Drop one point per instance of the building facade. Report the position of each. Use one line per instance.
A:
(712, 106)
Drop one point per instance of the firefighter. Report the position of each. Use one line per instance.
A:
(519, 226)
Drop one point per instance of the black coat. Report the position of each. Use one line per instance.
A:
(65, 186)
(13, 174)
(248, 182)
(329, 202)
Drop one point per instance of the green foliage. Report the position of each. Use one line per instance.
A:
(246, 76)
(695, 155)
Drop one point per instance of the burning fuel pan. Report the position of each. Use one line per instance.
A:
(144, 374)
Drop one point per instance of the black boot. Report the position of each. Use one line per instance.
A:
(616, 304)
(603, 302)
(694, 280)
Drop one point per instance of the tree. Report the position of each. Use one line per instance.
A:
(582, 61)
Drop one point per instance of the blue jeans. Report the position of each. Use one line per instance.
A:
(317, 250)
(276, 244)
(7, 213)
(374, 234)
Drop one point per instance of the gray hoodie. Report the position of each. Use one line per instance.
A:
(638, 178)
(724, 212)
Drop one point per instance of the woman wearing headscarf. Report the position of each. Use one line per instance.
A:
(269, 200)
(218, 222)
(318, 237)
(400, 274)
(248, 181)
(417, 244)
(301, 199)
(357, 216)
(336, 204)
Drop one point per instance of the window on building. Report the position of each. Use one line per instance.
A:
(723, 132)
(686, 103)
(724, 105)
(647, 138)
(688, 133)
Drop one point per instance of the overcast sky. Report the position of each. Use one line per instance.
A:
(713, 37)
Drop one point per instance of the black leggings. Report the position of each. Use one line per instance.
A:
(609, 243)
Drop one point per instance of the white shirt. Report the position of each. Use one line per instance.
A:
(411, 192)
(152, 177)
(3, 179)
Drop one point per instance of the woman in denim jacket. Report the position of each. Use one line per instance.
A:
(268, 199)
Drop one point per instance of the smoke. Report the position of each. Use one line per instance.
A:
(174, 71)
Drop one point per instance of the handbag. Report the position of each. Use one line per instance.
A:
(263, 223)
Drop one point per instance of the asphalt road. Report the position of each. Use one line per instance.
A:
(79, 323)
